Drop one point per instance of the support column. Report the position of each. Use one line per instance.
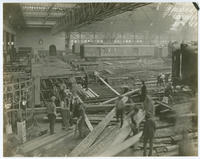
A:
(94, 36)
(37, 90)
(80, 37)
(67, 41)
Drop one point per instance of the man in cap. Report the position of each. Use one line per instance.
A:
(51, 113)
(148, 133)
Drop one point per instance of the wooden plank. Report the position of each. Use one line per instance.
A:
(125, 94)
(89, 125)
(101, 143)
(126, 129)
(114, 150)
(104, 144)
(112, 89)
(48, 139)
(52, 144)
(164, 105)
(93, 92)
(89, 140)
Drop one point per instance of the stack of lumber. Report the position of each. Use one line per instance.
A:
(86, 93)
(92, 146)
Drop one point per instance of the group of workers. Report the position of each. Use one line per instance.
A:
(71, 109)
(149, 125)
(162, 79)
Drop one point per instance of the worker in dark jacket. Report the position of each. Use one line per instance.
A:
(76, 107)
(148, 133)
(81, 120)
(143, 91)
(51, 113)
(120, 109)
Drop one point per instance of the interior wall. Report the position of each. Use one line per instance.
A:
(32, 37)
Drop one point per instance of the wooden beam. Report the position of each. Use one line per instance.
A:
(112, 89)
(114, 150)
(125, 94)
(41, 141)
(126, 129)
(164, 105)
(89, 140)
(102, 143)
(89, 125)
(50, 145)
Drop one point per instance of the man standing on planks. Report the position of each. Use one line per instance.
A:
(65, 111)
(120, 109)
(143, 92)
(81, 120)
(148, 133)
(51, 113)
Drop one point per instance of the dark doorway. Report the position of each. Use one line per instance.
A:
(52, 50)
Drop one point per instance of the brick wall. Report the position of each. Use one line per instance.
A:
(30, 38)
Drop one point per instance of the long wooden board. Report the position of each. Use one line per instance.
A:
(89, 140)
(30, 146)
(164, 105)
(89, 125)
(125, 94)
(52, 144)
(100, 143)
(126, 129)
(112, 89)
(114, 150)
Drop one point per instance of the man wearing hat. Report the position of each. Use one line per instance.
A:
(51, 113)
(148, 133)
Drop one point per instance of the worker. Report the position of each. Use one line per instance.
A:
(167, 77)
(75, 108)
(148, 133)
(143, 92)
(158, 80)
(81, 120)
(134, 124)
(56, 93)
(86, 80)
(168, 93)
(51, 113)
(120, 109)
(63, 86)
(65, 112)
(162, 79)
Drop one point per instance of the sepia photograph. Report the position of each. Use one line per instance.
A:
(100, 79)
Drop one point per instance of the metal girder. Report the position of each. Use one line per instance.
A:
(88, 13)
(48, 13)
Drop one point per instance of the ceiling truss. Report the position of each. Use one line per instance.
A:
(87, 13)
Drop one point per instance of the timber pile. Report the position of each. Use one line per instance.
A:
(86, 93)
